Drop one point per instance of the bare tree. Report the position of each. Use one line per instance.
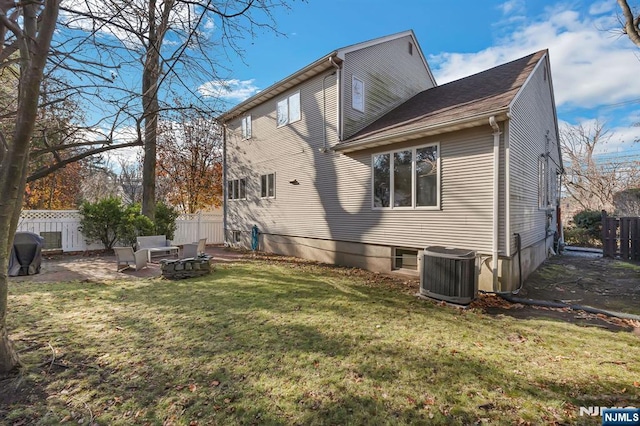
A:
(26, 30)
(589, 182)
(139, 31)
(130, 180)
(630, 22)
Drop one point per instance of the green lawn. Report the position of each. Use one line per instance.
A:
(284, 343)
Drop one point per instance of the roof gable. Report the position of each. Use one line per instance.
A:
(488, 91)
(316, 67)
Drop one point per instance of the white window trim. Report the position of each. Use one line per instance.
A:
(413, 180)
(246, 124)
(289, 121)
(543, 183)
(353, 80)
(274, 186)
(234, 182)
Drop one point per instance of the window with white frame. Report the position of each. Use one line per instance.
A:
(407, 178)
(268, 185)
(542, 182)
(246, 127)
(288, 109)
(357, 94)
(237, 189)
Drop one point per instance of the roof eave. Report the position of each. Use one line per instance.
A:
(281, 86)
(424, 131)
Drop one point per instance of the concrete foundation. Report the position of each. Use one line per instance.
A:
(380, 258)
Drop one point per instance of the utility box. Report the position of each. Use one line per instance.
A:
(449, 274)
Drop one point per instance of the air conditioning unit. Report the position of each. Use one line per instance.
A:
(449, 274)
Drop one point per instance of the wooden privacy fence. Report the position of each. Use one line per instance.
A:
(621, 237)
(60, 229)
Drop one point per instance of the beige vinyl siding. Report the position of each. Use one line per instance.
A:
(465, 217)
(532, 119)
(333, 200)
(291, 151)
(390, 75)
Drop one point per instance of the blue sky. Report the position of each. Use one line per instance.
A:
(595, 69)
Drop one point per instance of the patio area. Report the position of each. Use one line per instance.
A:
(102, 267)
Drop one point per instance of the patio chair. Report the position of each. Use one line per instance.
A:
(202, 245)
(189, 250)
(126, 255)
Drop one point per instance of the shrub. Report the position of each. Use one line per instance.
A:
(577, 237)
(100, 220)
(590, 221)
(134, 224)
(166, 217)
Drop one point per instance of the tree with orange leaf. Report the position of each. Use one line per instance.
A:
(190, 161)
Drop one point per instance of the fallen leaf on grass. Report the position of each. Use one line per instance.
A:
(636, 384)
(429, 401)
(487, 406)
(215, 383)
(193, 387)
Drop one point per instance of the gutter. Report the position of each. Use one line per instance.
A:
(443, 127)
(278, 87)
(496, 193)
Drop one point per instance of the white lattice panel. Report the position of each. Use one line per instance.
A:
(50, 215)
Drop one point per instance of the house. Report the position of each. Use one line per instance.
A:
(361, 159)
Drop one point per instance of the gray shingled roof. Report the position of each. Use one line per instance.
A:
(486, 91)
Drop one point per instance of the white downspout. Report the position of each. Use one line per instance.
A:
(496, 204)
(338, 100)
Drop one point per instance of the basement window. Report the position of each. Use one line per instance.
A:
(405, 259)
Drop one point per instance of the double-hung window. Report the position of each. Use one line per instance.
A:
(268, 185)
(407, 178)
(237, 189)
(543, 191)
(288, 109)
(246, 127)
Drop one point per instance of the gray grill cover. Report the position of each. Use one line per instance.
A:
(26, 254)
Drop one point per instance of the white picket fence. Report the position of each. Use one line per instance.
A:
(60, 229)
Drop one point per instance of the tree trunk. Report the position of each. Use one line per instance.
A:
(150, 75)
(38, 31)
(150, 106)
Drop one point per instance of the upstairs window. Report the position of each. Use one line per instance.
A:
(246, 127)
(288, 109)
(410, 48)
(407, 178)
(268, 185)
(237, 189)
(357, 94)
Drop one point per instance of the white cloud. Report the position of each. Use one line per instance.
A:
(111, 12)
(590, 65)
(601, 7)
(511, 7)
(232, 90)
